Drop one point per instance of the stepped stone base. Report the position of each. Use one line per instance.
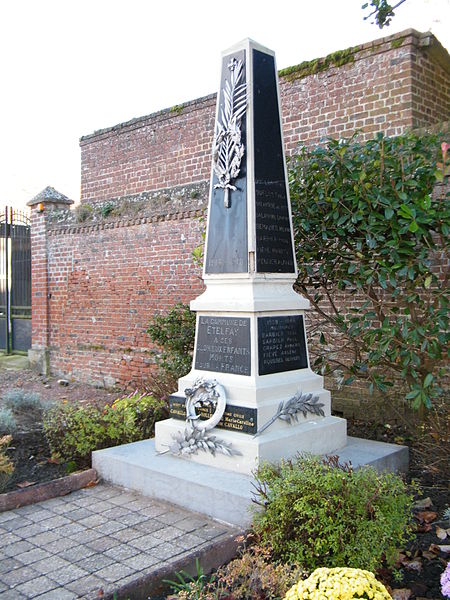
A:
(218, 493)
(325, 435)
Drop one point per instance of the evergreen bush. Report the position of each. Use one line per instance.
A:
(74, 432)
(317, 514)
(371, 222)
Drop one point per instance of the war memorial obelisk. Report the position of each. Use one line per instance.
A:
(250, 337)
(251, 395)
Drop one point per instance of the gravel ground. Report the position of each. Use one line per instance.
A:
(29, 449)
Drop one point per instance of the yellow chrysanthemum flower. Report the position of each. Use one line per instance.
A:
(341, 583)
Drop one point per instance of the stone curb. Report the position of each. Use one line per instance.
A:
(47, 490)
(151, 585)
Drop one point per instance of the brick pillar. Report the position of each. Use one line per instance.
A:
(41, 205)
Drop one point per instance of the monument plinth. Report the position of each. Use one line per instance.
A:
(251, 394)
(250, 331)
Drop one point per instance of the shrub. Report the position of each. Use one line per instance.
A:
(174, 333)
(19, 400)
(315, 513)
(6, 464)
(254, 575)
(339, 584)
(74, 432)
(106, 209)
(251, 575)
(371, 221)
(8, 422)
(145, 411)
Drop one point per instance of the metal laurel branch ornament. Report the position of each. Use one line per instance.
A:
(228, 148)
(289, 410)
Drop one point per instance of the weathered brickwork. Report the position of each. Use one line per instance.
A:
(105, 283)
(391, 84)
(39, 292)
(98, 278)
(166, 149)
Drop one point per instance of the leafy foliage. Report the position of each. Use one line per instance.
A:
(106, 209)
(189, 586)
(6, 464)
(19, 400)
(174, 332)
(382, 11)
(251, 575)
(145, 410)
(255, 575)
(74, 432)
(368, 223)
(317, 514)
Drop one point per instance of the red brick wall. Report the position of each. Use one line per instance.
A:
(430, 85)
(105, 284)
(39, 290)
(382, 90)
(387, 85)
(163, 150)
(106, 277)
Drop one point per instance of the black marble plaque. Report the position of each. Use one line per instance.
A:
(223, 345)
(227, 247)
(235, 418)
(274, 250)
(281, 344)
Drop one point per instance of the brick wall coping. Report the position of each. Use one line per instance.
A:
(424, 40)
(156, 117)
(81, 228)
(176, 202)
(171, 210)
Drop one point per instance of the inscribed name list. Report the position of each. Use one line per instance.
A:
(223, 345)
(274, 250)
(281, 344)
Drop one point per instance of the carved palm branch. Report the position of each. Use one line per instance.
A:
(191, 440)
(289, 409)
(228, 147)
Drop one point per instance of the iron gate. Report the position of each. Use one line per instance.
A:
(15, 281)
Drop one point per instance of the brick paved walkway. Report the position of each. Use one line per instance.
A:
(100, 538)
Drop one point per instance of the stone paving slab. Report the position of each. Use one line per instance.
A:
(104, 541)
(16, 362)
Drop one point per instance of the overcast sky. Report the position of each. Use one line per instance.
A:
(70, 67)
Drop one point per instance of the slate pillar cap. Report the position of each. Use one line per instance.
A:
(51, 196)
